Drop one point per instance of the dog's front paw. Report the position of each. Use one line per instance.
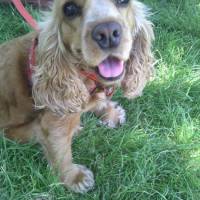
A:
(79, 179)
(113, 116)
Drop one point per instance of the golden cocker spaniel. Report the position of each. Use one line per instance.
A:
(82, 52)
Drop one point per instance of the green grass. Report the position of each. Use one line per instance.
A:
(156, 154)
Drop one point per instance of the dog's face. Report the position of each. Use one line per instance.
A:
(111, 38)
(99, 33)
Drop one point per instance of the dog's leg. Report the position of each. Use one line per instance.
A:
(56, 139)
(111, 114)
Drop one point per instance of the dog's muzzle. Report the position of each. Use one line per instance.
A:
(108, 36)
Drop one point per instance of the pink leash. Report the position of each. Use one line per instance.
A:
(29, 19)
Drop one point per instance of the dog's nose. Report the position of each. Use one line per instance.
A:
(107, 35)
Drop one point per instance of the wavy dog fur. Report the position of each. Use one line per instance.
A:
(140, 64)
(56, 84)
(50, 111)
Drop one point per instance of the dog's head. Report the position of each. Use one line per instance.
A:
(111, 38)
(99, 32)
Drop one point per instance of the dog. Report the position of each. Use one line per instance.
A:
(83, 51)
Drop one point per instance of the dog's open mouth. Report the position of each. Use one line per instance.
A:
(111, 68)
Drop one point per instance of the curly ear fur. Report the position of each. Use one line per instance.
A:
(140, 64)
(56, 83)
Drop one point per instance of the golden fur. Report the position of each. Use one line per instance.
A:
(50, 111)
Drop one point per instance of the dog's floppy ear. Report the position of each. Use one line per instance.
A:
(139, 67)
(56, 84)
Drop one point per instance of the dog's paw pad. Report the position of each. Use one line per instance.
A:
(83, 180)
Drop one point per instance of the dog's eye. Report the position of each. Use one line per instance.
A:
(122, 2)
(71, 9)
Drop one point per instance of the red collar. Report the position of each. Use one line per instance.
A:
(109, 91)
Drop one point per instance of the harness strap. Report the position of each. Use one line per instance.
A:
(98, 86)
(31, 61)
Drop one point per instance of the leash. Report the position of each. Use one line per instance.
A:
(24, 13)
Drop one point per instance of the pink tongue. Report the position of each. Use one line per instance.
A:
(111, 68)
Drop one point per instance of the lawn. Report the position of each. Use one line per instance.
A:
(156, 154)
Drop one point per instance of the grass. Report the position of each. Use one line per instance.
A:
(156, 154)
